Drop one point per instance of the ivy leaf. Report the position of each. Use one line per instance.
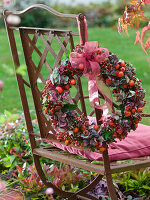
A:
(131, 94)
(65, 79)
(68, 107)
(107, 134)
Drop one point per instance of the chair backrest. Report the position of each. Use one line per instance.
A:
(37, 62)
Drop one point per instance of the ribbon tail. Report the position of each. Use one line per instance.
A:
(93, 94)
(106, 93)
(85, 30)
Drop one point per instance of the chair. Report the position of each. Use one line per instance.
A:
(29, 38)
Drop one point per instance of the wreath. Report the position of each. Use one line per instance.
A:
(104, 70)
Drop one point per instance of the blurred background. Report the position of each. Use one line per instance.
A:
(98, 12)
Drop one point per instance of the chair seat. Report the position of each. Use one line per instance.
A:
(135, 145)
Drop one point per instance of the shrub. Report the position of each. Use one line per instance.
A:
(14, 142)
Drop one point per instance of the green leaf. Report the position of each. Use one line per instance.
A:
(68, 107)
(12, 158)
(146, 187)
(2, 119)
(7, 113)
(21, 70)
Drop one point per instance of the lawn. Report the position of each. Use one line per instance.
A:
(109, 38)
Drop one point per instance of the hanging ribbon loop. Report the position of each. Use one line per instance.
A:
(89, 57)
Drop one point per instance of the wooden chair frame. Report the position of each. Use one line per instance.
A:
(45, 125)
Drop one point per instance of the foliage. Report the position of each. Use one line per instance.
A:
(12, 194)
(66, 174)
(132, 17)
(66, 177)
(135, 182)
(14, 142)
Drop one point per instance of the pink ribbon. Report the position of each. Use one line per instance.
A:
(85, 28)
(90, 58)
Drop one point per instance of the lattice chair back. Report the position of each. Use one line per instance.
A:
(39, 47)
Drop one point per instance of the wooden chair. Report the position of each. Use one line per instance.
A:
(29, 38)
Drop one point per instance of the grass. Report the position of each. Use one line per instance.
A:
(109, 38)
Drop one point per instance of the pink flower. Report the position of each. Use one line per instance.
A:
(2, 186)
(147, 1)
(1, 85)
(49, 191)
(7, 1)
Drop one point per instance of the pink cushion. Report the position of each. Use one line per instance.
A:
(135, 145)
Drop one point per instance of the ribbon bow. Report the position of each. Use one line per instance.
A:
(90, 58)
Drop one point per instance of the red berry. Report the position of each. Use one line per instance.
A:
(124, 86)
(67, 86)
(136, 125)
(108, 80)
(72, 81)
(81, 66)
(76, 130)
(127, 113)
(133, 110)
(139, 109)
(115, 135)
(117, 66)
(119, 74)
(82, 128)
(131, 83)
(114, 90)
(102, 149)
(98, 51)
(59, 89)
(123, 69)
(96, 144)
(96, 127)
(119, 131)
(51, 112)
(67, 142)
(111, 123)
(86, 132)
(128, 108)
(122, 64)
(46, 110)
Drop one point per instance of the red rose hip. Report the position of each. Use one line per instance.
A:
(81, 66)
(59, 89)
(67, 86)
(72, 81)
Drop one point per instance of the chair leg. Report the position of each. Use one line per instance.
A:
(110, 185)
(44, 180)
(86, 197)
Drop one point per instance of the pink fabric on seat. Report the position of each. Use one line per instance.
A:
(136, 144)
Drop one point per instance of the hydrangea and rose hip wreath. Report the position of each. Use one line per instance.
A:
(103, 70)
